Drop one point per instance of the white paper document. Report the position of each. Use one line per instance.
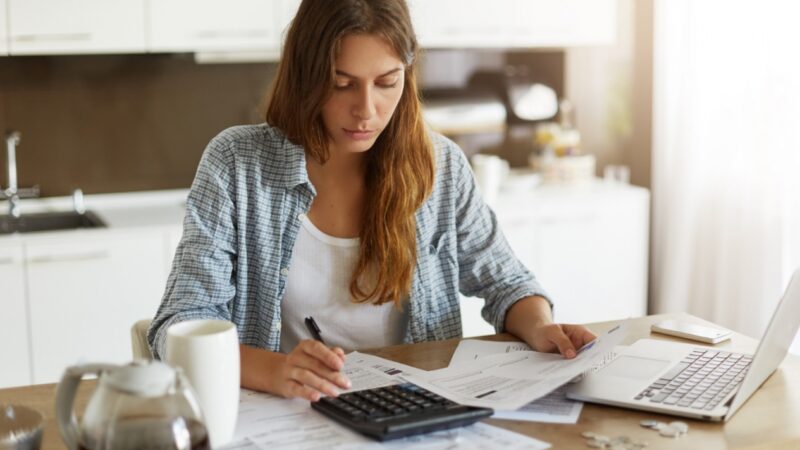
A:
(267, 422)
(469, 350)
(554, 407)
(479, 436)
(367, 371)
(508, 381)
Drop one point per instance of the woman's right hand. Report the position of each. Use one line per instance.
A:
(310, 370)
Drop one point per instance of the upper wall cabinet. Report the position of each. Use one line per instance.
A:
(77, 26)
(218, 26)
(513, 23)
(214, 25)
(286, 12)
(3, 28)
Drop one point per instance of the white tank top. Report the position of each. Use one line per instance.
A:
(318, 285)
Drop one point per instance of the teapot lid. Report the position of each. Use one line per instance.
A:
(143, 378)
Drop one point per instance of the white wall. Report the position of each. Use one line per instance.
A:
(611, 88)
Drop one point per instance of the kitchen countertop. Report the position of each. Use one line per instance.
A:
(166, 208)
(119, 211)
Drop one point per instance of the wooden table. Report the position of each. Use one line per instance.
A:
(769, 420)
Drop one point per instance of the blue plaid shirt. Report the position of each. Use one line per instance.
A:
(242, 219)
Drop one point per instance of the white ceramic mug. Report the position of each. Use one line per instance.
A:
(490, 173)
(208, 353)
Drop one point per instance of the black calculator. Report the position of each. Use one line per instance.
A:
(398, 411)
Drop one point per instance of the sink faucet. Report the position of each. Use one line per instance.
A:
(13, 193)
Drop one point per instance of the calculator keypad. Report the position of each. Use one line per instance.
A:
(387, 402)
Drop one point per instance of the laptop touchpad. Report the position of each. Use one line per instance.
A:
(635, 367)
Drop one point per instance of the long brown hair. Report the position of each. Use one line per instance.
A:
(400, 168)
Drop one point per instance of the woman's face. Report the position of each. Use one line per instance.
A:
(369, 83)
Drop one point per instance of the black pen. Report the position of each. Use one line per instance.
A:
(313, 329)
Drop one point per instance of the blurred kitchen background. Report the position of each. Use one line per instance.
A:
(639, 153)
(116, 109)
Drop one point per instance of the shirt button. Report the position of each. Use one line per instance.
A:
(301, 216)
(285, 271)
(278, 325)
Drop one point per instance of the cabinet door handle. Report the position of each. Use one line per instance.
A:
(57, 37)
(6, 261)
(102, 254)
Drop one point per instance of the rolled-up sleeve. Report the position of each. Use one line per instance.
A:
(201, 284)
(488, 267)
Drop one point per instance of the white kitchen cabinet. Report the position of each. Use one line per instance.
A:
(214, 25)
(286, 12)
(3, 28)
(86, 292)
(561, 23)
(76, 26)
(459, 23)
(587, 245)
(513, 23)
(217, 26)
(14, 348)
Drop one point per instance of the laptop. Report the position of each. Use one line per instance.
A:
(689, 380)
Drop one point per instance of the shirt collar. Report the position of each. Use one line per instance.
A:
(291, 158)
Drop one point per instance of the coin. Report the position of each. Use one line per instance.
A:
(601, 438)
(683, 427)
(588, 434)
(648, 423)
(594, 443)
(620, 440)
(668, 431)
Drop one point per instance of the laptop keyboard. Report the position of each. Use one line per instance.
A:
(701, 381)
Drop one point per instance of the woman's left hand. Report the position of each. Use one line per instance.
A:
(563, 338)
(530, 319)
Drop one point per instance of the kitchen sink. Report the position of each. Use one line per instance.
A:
(51, 221)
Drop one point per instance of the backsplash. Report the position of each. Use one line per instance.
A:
(114, 123)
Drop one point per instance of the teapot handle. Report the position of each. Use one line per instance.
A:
(65, 395)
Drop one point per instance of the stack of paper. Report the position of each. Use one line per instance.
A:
(504, 376)
(509, 381)
(267, 422)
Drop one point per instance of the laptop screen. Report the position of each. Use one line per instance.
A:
(774, 345)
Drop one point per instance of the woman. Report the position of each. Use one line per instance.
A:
(344, 207)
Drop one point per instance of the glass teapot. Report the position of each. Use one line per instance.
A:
(144, 404)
